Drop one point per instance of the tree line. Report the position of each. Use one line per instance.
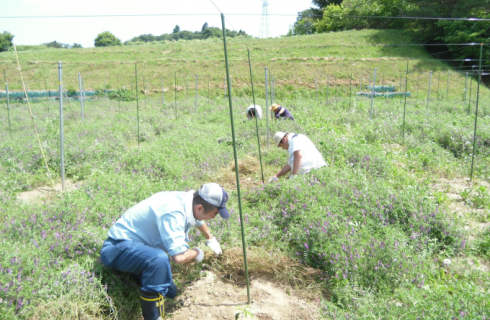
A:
(106, 38)
(333, 15)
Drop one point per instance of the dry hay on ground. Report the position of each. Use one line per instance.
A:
(223, 291)
(270, 265)
(249, 170)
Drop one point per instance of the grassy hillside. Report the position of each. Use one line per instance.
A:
(294, 61)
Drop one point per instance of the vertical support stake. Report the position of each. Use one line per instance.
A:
(244, 244)
(372, 94)
(62, 151)
(476, 112)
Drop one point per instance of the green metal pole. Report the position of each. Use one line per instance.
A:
(350, 90)
(267, 105)
(137, 101)
(8, 100)
(163, 95)
(476, 112)
(328, 85)
(447, 87)
(47, 97)
(256, 121)
(236, 159)
(405, 104)
(469, 100)
(117, 84)
(175, 96)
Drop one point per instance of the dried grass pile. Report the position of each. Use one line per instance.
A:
(271, 265)
(248, 169)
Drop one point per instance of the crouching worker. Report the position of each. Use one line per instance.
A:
(142, 240)
(281, 112)
(303, 155)
(254, 110)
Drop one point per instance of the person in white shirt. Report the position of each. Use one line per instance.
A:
(253, 110)
(303, 155)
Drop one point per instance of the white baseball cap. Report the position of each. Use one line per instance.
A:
(215, 195)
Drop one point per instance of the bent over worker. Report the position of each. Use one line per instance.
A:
(303, 155)
(281, 112)
(142, 240)
(254, 110)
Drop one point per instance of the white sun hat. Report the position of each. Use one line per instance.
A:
(278, 137)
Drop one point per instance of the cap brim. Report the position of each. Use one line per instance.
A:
(223, 212)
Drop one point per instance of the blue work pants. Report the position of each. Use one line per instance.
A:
(150, 265)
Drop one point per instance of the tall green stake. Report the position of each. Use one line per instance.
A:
(405, 104)
(175, 96)
(350, 90)
(8, 100)
(137, 101)
(469, 100)
(244, 244)
(476, 112)
(47, 97)
(256, 121)
(119, 100)
(267, 105)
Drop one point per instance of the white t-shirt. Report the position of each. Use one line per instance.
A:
(312, 158)
(258, 111)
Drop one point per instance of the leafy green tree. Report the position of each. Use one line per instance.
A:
(211, 32)
(465, 32)
(322, 4)
(333, 19)
(77, 45)
(55, 44)
(176, 29)
(6, 40)
(106, 39)
(305, 22)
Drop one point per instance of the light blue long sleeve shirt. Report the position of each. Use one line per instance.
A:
(162, 221)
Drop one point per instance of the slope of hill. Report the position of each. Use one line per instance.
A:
(296, 61)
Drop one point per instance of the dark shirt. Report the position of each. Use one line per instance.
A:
(286, 114)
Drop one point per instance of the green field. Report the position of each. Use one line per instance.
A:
(374, 227)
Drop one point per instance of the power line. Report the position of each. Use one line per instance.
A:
(222, 13)
(237, 14)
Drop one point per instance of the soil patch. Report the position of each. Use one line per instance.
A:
(43, 194)
(211, 298)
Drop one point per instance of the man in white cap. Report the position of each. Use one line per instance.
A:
(303, 155)
(142, 240)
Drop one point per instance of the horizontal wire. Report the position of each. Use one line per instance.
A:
(239, 14)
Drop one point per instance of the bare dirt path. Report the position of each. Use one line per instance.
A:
(211, 298)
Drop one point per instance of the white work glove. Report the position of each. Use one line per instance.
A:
(214, 245)
(273, 179)
(200, 256)
(292, 177)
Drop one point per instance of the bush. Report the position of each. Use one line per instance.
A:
(121, 94)
(6, 40)
(106, 39)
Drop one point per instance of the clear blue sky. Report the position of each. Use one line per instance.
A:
(84, 30)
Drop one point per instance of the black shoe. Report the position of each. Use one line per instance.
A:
(152, 305)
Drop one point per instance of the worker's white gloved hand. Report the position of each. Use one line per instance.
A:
(200, 256)
(214, 245)
(292, 177)
(273, 179)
